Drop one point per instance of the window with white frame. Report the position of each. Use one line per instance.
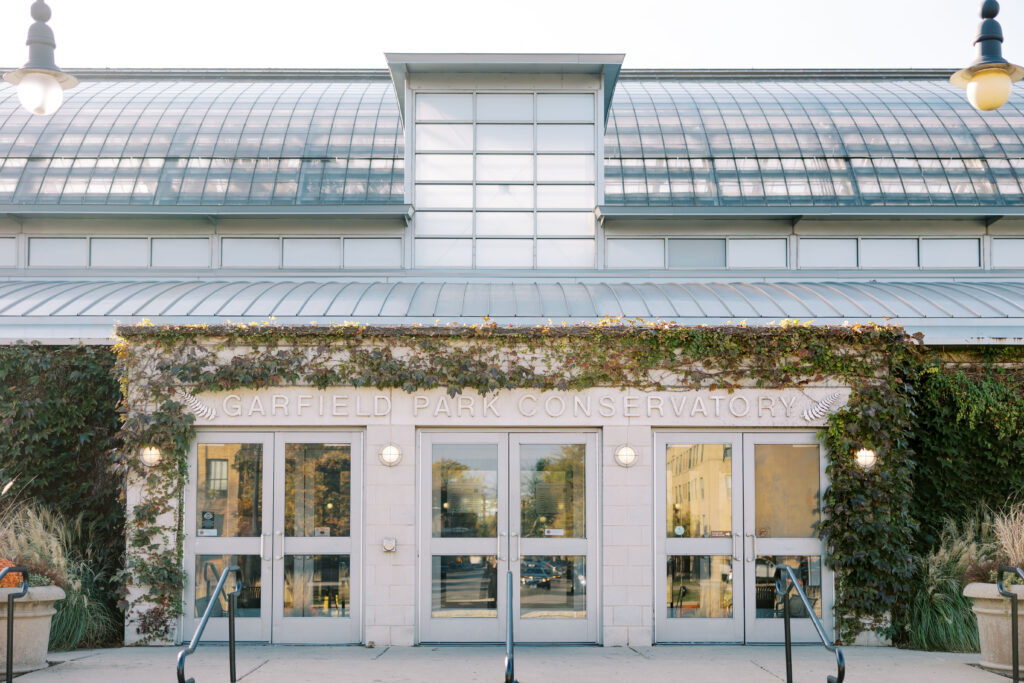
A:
(505, 180)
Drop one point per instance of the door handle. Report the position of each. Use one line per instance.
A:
(516, 557)
(500, 536)
(735, 552)
(753, 547)
(263, 546)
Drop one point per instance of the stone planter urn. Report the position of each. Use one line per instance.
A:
(993, 613)
(32, 615)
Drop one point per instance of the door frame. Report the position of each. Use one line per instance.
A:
(773, 630)
(703, 629)
(429, 630)
(266, 545)
(311, 629)
(246, 628)
(751, 630)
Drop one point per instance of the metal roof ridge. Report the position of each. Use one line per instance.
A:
(384, 74)
(226, 74)
(784, 74)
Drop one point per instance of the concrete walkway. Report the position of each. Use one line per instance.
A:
(451, 664)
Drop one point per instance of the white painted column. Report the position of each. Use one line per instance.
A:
(627, 515)
(389, 582)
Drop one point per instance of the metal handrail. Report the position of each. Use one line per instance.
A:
(510, 653)
(10, 615)
(785, 579)
(1013, 615)
(232, 601)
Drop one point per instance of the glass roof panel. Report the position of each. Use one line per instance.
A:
(846, 141)
(206, 142)
(669, 141)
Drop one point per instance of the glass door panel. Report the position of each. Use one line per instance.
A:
(316, 537)
(553, 533)
(698, 537)
(226, 522)
(785, 476)
(463, 540)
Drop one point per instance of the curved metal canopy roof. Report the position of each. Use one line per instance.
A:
(946, 311)
(673, 139)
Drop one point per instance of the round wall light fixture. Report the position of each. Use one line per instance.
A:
(390, 455)
(151, 456)
(865, 458)
(626, 456)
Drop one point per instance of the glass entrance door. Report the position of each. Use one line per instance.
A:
(734, 507)
(698, 539)
(316, 532)
(494, 503)
(285, 509)
(784, 478)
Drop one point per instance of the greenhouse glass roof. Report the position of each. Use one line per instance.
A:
(673, 139)
(206, 142)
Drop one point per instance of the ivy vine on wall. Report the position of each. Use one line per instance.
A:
(866, 525)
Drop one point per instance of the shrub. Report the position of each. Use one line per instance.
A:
(968, 444)
(58, 425)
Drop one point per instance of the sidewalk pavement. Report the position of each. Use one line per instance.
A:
(456, 664)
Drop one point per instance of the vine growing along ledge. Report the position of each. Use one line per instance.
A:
(866, 525)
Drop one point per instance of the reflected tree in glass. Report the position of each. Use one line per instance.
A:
(553, 491)
(464, 491)
(317, 489)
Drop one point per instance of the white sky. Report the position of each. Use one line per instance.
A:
(663, 34)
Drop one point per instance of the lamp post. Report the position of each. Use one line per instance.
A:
(41, 84)
(989, 79)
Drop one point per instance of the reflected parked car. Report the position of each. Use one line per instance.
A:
(535, 574)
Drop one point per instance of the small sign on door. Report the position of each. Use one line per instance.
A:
(554, 532)
(322, 531)
(207, 524)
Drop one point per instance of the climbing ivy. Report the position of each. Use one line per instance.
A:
(867, 527)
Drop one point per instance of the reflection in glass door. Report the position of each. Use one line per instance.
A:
(733, 508)
(227, 522)
(785, 475)
(698, 539)
(465, 503)
(554, 538)
(497, 502)
(284, 509)
(316, 532)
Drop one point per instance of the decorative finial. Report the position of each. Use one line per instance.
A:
(40, 11)
(40, 82)
(989, 78)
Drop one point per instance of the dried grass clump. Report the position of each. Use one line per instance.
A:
(1009, 530)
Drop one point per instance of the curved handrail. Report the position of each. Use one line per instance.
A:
(510, 653)
(10, 615)
(194, 643)
(1013, 615)
(785, 579)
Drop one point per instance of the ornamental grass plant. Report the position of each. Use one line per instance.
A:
(939, 617)
(43, 542)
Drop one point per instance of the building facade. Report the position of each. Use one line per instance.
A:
(524, 190)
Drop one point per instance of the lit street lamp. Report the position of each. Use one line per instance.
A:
(990, 78)
(41, 84)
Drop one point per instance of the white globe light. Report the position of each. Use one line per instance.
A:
(989, 89)
(40, 93)
(390, 455)
(866, 458)
(151, 456)
(626, 456)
